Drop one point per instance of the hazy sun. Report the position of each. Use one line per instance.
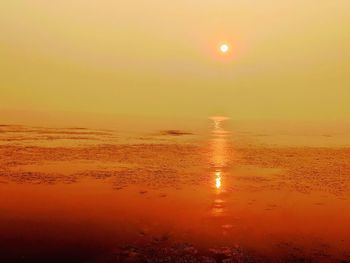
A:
(224, 48)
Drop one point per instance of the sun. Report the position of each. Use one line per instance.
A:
(224, 48)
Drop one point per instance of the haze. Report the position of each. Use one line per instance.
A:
(290, 59)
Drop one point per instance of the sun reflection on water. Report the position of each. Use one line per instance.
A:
(219, 153)
(219, 160)
(218, 180)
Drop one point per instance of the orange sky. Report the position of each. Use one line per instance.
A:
(290, 59)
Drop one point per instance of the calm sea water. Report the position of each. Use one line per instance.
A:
(220, 193)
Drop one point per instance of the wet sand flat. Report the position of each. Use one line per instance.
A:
(82, 195)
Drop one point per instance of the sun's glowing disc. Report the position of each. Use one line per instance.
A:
(224, 48)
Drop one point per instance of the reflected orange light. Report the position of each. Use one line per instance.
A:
(219, 153)
(218, 179)
(218, 182)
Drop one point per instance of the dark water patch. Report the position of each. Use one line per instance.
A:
(164, 249)
(175, 132)
(76, 128)
(22, 177)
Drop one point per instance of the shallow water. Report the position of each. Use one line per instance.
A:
(83, 195)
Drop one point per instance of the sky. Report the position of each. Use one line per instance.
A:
(288, 59)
